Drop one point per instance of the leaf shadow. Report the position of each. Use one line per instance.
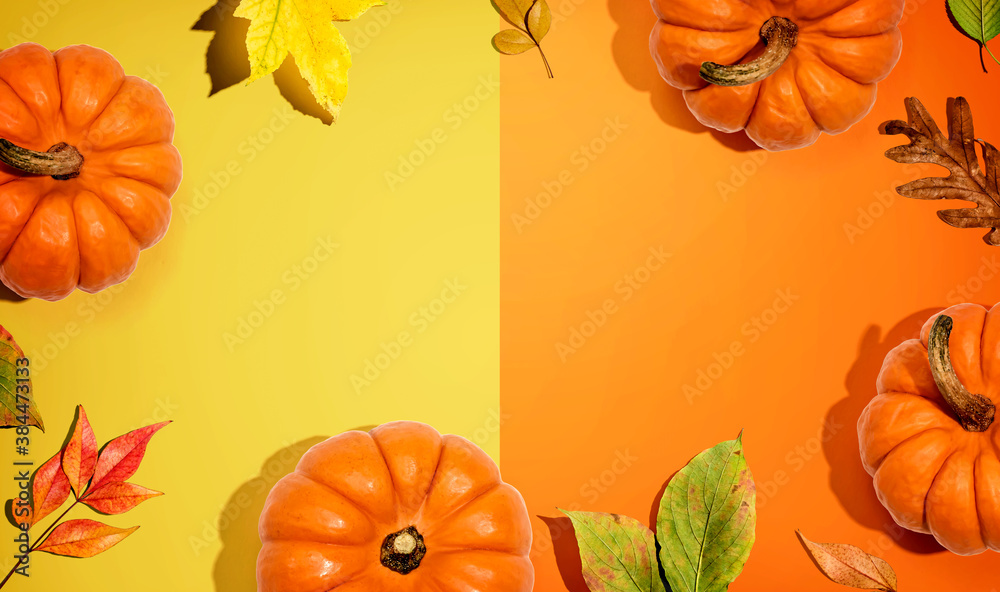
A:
(236, 565)
(567, 552)
(227, 61)
(956, 24)
(630, 48)
(849, 481)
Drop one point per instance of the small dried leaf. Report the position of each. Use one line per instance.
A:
(118, 498)
(17, 401)
(512, 11)
(83, 538)
(80, 455)
(121, 457)
(850, 566)
(957, 153)
(618, 553)
(512, 42)
(539, 20)
(49, 489)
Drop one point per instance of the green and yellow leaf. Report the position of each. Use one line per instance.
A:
(618, 553)
(17, 400)
(707, 519)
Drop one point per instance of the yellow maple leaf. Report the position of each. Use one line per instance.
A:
(305, 29)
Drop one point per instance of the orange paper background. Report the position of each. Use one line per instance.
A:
(603, 428)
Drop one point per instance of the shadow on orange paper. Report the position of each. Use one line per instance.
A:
(848, 479)
(630, 47)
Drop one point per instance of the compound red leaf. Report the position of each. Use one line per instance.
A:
(83, 538)
(118, 498)
(121, 457)
(49, 489)
(79, 458)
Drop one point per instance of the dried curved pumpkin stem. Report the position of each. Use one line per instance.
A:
(61, 162)
(779, 34)
(975, 412)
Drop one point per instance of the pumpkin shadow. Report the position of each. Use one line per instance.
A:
(848, 479)
(236, 566)
(630, 48)
(8, 295)
(227, 61)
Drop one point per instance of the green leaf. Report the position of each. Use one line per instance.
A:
(539, 20)
(979, 20)
(512, 42)
(618, 553)
(512, 11)
(17, 401)
(707, 519)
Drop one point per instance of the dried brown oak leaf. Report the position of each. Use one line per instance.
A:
(957, 153)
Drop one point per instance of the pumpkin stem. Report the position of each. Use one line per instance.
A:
(402, 551)
(61, 162)
(779, 34)
(975, 412)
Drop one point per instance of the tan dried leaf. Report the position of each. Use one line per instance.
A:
(850, 566)
(512, 11)
(957, 153)
(512, 42)
(539, 20)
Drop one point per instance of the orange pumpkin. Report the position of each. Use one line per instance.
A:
(928, 438)
(397, 509)
(783, 70)
(87, 170)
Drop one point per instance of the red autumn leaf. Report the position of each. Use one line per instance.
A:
(117, 498)
(83, 538)
(121, 457)
(80, 455)
(49, 489)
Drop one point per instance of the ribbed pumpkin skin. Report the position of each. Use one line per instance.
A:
(323, 525)
(827, 85)
(86, 232)
(932, 475)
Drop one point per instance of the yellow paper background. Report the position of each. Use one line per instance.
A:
(155, 348)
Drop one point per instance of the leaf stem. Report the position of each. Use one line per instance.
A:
(986, 47)
(39, 541)
(548, 69)
(11, 574)
(48, 530)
